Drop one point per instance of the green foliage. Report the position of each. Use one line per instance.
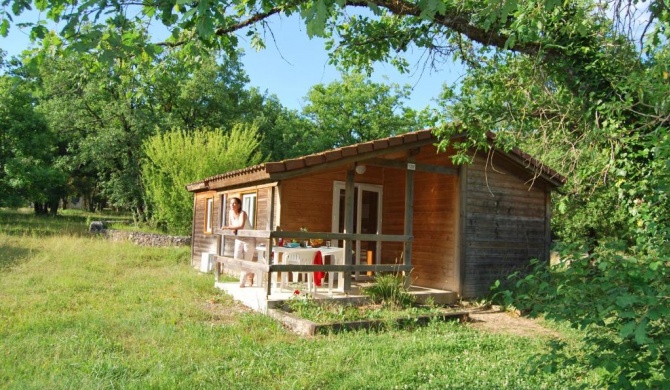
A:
(389, 290)
(102, 114)
(619, 301)
(27, 151)
(589, 107)
(282, 129)
(177, 158)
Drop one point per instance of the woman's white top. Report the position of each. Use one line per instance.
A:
(236, 219)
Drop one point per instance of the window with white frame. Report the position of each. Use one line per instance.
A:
(224, 210)
(208, 215)
(249, 205)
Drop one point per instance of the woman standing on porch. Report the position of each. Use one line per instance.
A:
(244, 247)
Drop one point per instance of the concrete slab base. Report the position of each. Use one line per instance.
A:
(255, 297)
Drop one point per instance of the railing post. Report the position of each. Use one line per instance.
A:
(348, 225)
(409, 215)
(268, 247)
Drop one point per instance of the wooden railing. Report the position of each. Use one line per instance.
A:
(267, 235)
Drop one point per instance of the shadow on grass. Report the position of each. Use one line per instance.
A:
(11, 256)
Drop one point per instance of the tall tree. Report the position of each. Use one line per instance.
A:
(103, 108)
(280, 128)
(101, 121)
(27, 151)
(355, 110)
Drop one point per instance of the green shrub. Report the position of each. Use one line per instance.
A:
(389, 290)
(177, 158)
(621, 301)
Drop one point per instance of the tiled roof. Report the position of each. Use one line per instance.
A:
(353, 151)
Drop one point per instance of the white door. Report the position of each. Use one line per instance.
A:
(367, 220)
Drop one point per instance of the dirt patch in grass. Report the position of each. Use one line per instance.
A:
(497, 321)
(224, 314)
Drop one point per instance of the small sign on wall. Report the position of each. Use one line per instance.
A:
(411, 166)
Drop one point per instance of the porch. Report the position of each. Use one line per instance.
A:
(257, 299)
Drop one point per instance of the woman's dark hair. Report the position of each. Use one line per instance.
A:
(237, 200)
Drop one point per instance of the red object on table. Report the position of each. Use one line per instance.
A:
(318, 275)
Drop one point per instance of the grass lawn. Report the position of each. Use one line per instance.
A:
(80, 312)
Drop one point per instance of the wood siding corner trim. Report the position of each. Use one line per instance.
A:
(194, 256)
(547, 233)
(462, 237)
(409, 217)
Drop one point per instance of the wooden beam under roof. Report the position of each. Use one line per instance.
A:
(381, 162)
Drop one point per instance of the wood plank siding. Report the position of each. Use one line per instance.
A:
(504, 222)
(435, 220)
(203, 242)
(307, 201)
(393, 214)
(434, 225)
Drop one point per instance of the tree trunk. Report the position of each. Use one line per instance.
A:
(39, 208)
(53, 207)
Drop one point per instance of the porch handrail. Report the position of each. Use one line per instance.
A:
(268, 234)
(338, 267)
(265, 268)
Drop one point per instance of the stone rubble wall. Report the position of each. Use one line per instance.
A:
(139, 238)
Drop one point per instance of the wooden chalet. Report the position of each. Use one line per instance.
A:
(395, 204)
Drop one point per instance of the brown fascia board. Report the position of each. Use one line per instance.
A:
(365, 147)
(263, 171)
(239, 180)
(349, 151)
(409, 138)
(207, 182)
(380, 144)
(273, 167)
(528, 162)
(195, 187)
(333, 155)
(395, 141)
(424, 135)
(314, 159)
(295, 163)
